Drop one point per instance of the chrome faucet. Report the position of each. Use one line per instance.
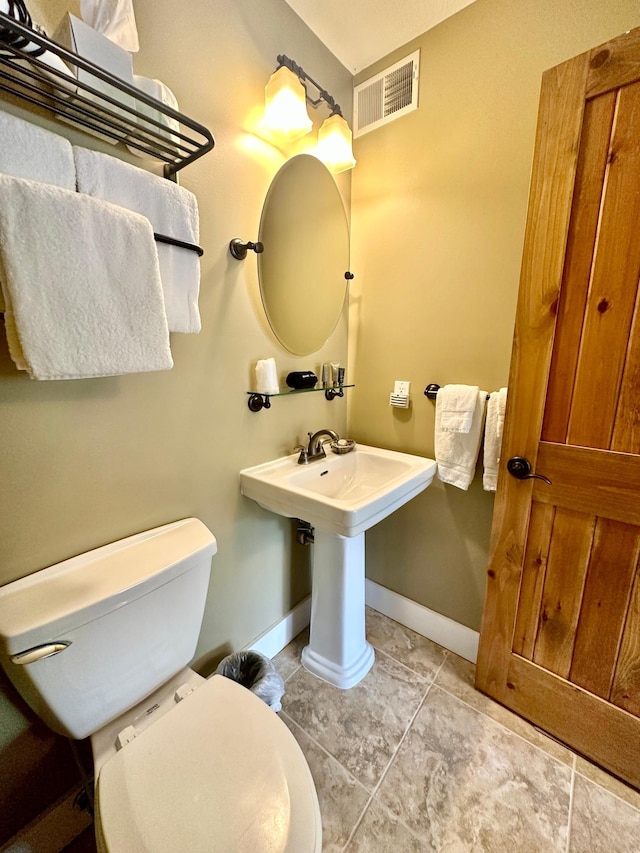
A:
(315, 450)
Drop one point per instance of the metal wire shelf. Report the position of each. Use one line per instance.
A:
(31, 79)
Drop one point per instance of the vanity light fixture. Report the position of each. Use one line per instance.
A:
(286, 99)
(285, 105)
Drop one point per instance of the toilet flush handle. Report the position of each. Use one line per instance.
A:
(40, 652)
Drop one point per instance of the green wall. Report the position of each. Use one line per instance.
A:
(438, 214)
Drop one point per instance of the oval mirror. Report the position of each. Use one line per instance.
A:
(306, 254)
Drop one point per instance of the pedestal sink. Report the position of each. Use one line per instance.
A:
(341, 496)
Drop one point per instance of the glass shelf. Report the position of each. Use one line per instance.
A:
(259, 401)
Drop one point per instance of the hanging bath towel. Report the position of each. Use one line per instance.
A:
(457, 452)
(493, 438)
(81, 285)
(172, 211)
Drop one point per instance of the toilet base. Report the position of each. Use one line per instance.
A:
(338, 651)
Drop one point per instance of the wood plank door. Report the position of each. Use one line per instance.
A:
(560, 639)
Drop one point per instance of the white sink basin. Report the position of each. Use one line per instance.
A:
(344, 494)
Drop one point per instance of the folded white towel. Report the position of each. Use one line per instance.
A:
(456, 452)
(81, 284)
(457, 404)
(29, 151)
(493, 438)
(172, 211)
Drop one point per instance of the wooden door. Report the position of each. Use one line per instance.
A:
(560, 639)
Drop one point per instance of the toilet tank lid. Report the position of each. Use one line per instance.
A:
(38, 607)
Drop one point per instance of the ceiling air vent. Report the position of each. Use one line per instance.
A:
(387, 96)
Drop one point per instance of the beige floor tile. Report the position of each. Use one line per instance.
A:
(360, 727)
(460, 781)
(404, 645)
(381, 832)
(601, 823)
(606, 780)
(457, 677)
(287, 661)
(342, 799)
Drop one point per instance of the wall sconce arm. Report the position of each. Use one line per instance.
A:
(323, 95)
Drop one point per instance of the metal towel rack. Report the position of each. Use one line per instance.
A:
(431, 391)
(172, 241)
(28, 78)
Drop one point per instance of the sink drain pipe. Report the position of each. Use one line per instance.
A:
(304, 533)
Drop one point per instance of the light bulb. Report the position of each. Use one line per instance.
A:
(334, 144)
(285, 111)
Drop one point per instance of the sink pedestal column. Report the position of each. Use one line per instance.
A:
(338, 651)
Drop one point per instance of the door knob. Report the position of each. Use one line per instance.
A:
(520, 468)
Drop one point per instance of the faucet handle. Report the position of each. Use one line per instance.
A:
(303, 459)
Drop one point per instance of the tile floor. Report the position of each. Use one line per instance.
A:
(414, 759)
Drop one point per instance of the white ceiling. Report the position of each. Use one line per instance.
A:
(359, 32)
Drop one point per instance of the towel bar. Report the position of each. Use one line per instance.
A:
(431, 391)
(162, 238)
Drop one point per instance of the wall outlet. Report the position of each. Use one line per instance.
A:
(400, 396)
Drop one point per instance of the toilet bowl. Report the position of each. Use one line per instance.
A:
(99, 646)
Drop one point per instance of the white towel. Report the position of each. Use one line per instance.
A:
(457, 404)
(493, 438)
(456, 452)
(162, 93)
(29, 151)
(81, 283)
(172, 211)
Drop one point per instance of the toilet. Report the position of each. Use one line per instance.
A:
(99, 646)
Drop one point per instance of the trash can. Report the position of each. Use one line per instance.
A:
(255, 672)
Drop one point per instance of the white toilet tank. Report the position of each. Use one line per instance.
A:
(88, 638)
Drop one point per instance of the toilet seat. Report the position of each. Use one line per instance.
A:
(219, 772)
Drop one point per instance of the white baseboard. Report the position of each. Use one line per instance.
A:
(280, 635)
(434, 626)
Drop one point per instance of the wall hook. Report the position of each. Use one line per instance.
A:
(239, 248)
